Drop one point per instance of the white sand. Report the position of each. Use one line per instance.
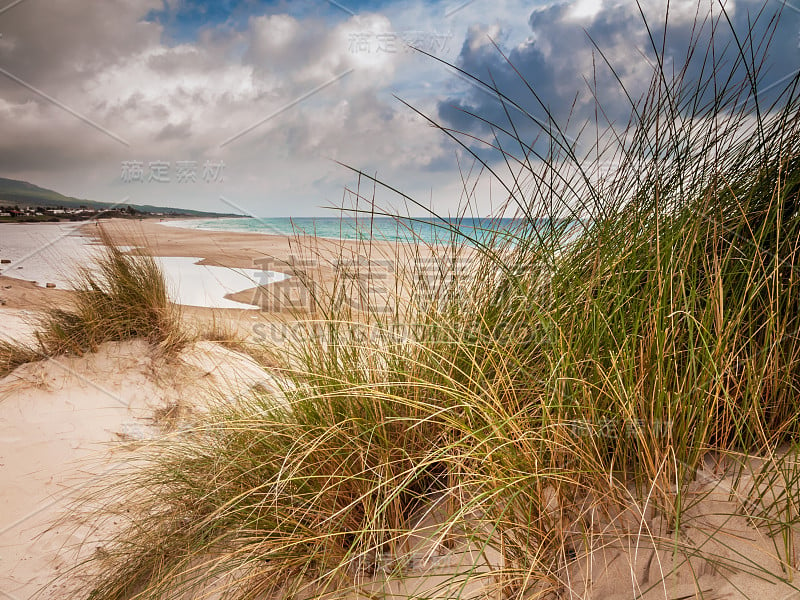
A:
(64, 422)
(17, 324)
(44, 252)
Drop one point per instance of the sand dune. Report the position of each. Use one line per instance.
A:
(66, 421)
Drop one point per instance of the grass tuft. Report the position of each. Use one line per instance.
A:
(119, 297)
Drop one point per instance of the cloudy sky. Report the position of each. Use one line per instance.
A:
(247, 105)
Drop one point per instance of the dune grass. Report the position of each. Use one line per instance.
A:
(566, 391)
(14, 354)
(120, 297)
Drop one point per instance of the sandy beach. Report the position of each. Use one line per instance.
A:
(70, 422)
(239, 267)
(400, 301)
(65, 422)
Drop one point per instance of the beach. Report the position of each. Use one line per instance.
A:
(66, 422)
(218, 273)
(71, 424)
(289, 315)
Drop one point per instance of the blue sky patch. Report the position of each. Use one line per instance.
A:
(184, 22)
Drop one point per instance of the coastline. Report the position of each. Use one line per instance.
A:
(221, 250)
(49, 253)
(233, 249)
(321, 258)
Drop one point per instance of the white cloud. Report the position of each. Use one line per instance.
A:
(182, 101)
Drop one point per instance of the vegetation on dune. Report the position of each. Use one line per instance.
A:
(564, 389)
(14, 354)
(122, 297)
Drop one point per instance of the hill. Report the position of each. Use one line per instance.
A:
(23, 193)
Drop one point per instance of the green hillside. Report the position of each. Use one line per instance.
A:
(23, 193)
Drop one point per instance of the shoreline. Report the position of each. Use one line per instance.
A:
(45, 256)
(321, 258)
(232, 249)
(216, 249)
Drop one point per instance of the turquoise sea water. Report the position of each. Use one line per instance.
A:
(382, 228)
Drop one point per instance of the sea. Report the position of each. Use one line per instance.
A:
(50, 253)
(471, 231)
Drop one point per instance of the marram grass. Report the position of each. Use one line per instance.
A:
(121, 297)
(573, 387)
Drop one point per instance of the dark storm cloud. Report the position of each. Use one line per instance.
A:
(291, 91)
(564, 69)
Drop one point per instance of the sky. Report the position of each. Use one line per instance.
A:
(271, 108)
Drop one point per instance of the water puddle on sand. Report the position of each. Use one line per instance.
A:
(200, 285)
(51, 252)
